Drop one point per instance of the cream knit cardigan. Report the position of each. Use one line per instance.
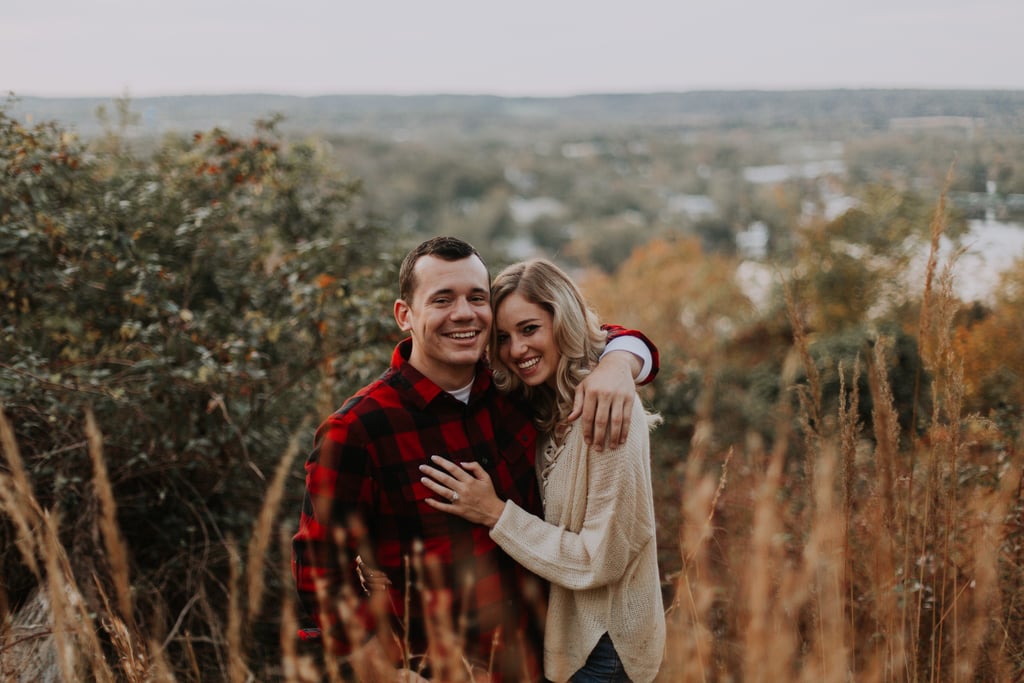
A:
(597, 547)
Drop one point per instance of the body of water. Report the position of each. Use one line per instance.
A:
(991, 248)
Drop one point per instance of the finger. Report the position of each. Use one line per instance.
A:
(614, 425)
(475, 470)
(454, 470)
(438, 476)
(361, 573)
(441, 490)
(625, 412)
(590, 417)
(600, 428)
(377, 584)
(577, 405)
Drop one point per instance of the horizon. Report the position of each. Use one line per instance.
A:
(398, 95)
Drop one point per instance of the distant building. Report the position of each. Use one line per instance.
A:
(779, 173)
(752, 243)
(693, 205)
(579, 150)
(931, 122)
(526, 210)
(521, 180)
(756, 281)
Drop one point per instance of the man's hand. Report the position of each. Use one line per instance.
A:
(371, 580)
(372, 664)
(604, 400)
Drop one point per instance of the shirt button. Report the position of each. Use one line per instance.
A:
(485, 461)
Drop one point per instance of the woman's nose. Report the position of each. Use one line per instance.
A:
(517, 346)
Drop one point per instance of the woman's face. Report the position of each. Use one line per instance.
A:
(526, 340)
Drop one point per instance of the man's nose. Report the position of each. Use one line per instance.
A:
(463, 309)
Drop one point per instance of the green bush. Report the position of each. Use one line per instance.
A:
(199, 301)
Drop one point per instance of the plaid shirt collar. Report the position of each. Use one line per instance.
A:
(421, 389)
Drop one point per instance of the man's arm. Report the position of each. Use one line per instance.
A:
(324, 549)
(640, 352)
(604, 398)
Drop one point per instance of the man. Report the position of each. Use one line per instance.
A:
(452, 588)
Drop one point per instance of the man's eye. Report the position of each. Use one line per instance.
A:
(480, 299)
(441, 301)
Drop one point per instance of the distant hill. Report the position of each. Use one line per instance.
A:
(483, 115)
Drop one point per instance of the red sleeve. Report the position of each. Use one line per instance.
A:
(620, 331)
(336, 484)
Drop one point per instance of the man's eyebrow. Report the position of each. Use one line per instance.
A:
(448, 291)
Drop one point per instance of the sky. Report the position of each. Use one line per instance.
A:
(523, 48)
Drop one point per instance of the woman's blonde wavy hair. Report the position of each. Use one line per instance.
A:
(577, 334)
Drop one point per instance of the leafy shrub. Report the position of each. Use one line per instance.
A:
(199, 301)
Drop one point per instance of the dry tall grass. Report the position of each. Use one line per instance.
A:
(871, 560)
(868, 560)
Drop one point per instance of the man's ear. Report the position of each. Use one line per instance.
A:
(402, 315)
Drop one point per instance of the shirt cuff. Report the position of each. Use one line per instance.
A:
(636, 347)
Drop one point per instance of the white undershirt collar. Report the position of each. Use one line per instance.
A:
(463, 393)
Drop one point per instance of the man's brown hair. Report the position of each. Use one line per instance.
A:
(447, 248)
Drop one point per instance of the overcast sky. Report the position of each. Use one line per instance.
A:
(526, 47)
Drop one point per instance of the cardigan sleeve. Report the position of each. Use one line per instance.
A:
(600, 552)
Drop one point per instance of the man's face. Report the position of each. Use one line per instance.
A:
(449, 319)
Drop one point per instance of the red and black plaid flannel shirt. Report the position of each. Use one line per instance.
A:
(363, 476)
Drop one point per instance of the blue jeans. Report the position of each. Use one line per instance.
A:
(603, 665)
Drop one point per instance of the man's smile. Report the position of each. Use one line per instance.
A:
(471, 334)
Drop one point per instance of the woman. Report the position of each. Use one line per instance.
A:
(596, 543)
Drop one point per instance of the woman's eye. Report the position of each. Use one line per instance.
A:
(530, 329)
(502, 339)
